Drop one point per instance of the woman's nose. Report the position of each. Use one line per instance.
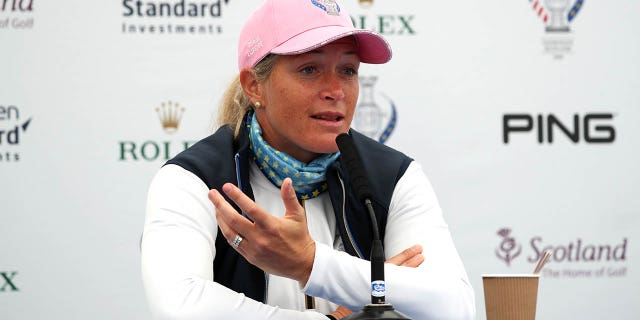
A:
(332, 88)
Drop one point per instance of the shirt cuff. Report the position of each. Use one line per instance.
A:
(320, 261)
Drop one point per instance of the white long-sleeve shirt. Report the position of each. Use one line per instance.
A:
(178, 249)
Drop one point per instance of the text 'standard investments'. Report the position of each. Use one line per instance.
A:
(178, 17)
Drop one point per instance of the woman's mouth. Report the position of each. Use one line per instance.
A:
(333, 118)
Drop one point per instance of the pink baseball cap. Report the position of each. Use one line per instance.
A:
(289, 27)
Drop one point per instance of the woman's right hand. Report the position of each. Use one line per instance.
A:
(280, 246)
(411, 257)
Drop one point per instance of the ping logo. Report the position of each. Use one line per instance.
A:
(588, 127)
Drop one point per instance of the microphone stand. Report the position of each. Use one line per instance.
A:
(378, 309)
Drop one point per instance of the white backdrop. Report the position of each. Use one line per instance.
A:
(80, 139)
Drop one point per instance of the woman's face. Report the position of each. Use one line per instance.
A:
(309, 99)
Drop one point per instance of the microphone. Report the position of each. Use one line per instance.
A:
(378, 308)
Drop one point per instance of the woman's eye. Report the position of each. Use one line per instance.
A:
(350, 71)
(308, 70)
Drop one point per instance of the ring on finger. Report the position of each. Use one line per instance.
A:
(236, 241)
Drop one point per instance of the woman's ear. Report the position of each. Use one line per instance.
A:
(250, 85)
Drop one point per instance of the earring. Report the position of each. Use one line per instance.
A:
(257, 105)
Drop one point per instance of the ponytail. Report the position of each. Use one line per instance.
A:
(235, 103)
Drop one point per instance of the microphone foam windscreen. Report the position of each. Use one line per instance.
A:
(352, 161)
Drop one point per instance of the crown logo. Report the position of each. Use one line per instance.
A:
(365, 3)
(170, 114)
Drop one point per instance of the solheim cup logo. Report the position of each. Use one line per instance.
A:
(370, 119)
(559, 21)
(560, 13)
(329, 6)
(508, 249)
(557, 16)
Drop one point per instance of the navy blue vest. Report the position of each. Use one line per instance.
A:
(213, 160)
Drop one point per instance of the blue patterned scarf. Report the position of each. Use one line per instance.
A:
(309, 180)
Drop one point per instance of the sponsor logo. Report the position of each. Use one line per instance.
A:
(377, 120)
(12, 131)
(377, 288)
(7, 281)
(576, 258)
(169, 115)
(508, 248)
(383, 23)
(18, 14)
(329, 6)
(557, 16)
(177, 17)
(366, 3)
(545, 128)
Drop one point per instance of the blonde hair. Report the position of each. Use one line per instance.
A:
(235, 103)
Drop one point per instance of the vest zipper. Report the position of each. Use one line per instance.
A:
(266, 288)
(309, 301)
(236, 159)
(344, 218)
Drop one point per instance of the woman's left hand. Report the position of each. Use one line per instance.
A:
(411, 257)
(279, 246)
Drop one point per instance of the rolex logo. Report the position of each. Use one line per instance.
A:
(8, 281)
(170, 114)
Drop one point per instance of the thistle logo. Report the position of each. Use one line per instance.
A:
(169, 115)
(508, 248)
(19, 8)
(10, 135)
(370, 119)
(557, 15)
(7, 281)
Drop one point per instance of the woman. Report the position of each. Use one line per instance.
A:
(288, 235)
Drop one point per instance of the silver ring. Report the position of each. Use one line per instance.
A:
(236, 241)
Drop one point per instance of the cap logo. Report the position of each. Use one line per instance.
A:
(253, 46)
(329, 6)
